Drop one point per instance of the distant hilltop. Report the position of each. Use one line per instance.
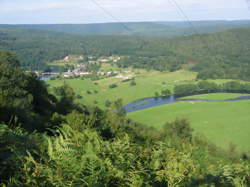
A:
(163, 28)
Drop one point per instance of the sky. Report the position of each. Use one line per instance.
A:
(87, 11)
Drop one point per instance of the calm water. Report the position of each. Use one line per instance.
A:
(46, 77)
(152, 102)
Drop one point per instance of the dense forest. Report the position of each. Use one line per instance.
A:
(146, 29)
(219, 55)
(50, 140)
(34, 47)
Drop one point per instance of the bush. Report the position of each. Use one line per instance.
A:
(166, 93)
(113, 86)
(157, 94)
(107, 103)
(79, 97)
(179, 128)
(88, 92)
(132, 83)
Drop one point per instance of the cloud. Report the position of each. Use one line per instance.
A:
(85, 11)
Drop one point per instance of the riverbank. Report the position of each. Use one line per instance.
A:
(223, 123)
(158, 101)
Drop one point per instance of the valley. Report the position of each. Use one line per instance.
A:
(221, 122)
(96, 105)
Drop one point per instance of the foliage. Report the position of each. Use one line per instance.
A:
(132, 83)
(53, 141)
(166, 93)
(210, 87)
(78, 156)
(113, 86)
(221, 55)
(23, 98)
(180, 129)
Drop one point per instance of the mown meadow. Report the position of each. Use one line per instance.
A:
(148, 84)
(226, 124)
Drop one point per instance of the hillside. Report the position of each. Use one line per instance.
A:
(224, 54)
(150, 29)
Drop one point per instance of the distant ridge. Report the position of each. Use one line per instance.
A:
(150, 29)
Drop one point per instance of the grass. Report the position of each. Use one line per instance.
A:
(110, 67)
(215, 96)
(62, 64)
(80, 87)
(223, 123)
(147, 83)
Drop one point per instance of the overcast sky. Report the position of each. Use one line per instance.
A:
(85, 11)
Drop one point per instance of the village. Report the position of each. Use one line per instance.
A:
(79, 66)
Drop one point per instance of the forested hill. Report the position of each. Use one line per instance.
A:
(219, 55)
(150, 29)
(36, 47)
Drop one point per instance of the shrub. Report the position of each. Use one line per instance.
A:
(107, 103)
(88, 92)
(179, 128)
(79, 97)
(166, 93)
(157, 94)
(132, 83)
(113, 86)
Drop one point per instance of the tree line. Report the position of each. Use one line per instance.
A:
(219, 55)
(203, 87)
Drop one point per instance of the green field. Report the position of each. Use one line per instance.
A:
(147, 83)
(62, 64)
(223, 123)
(215, 96)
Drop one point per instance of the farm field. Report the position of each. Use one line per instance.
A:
(147, 83)
(215, 96)
(223, 123)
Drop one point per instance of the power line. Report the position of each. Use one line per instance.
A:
(248, 4)
(111, 15)
(182, 13)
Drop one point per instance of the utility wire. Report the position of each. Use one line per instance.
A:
(111, 15)
(248, 4)
(181, 12)
(186, 19)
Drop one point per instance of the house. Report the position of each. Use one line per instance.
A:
(66, 59)
(84, 73)
(124, 76)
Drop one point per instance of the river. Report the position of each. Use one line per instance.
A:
(46, 77)
(157, 101)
